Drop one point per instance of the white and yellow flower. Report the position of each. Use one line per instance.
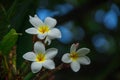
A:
(40, 57)
(44, 29)
(75, 58)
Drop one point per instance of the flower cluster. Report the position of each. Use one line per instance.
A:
(41, 57)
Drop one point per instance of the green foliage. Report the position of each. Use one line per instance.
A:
(4, 24)
(8, 42)
(12, 9)
(29, 76)
(20, 21)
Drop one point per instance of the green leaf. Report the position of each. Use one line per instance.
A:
(29, 76)
(12, 9)
(4, 25)
(8, 42)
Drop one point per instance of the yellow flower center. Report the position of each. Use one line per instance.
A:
(74, 56)
(40, 57)
(43, 29)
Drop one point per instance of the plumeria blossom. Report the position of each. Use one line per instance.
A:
(40, 57)
(75, 58)
(44, 30)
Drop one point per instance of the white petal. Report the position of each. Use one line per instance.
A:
(47, 40)
(66, 58)
(51, 22)
(84, 60)
(31, 31)
(83, 51)
(54, 33)
(39, 47)
(41, 36)
(49, 64)
(36, 67)
(35, 21)
(73, 48)
(29, 56)
(75, 66)
(51, 53)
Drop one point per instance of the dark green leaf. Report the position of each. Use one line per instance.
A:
(29, 76)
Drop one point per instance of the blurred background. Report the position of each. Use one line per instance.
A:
(91, 23)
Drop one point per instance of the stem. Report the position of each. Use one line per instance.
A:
(7, 68)
(6, 64)
(39, 74)
(51, 72)
(24, 68)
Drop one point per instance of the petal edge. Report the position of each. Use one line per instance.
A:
(29, 56)
(51, 22)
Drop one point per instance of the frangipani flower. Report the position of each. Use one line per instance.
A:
(40, 57)
(75, 58)
(44, 30)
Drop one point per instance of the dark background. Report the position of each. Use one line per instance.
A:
(80, 23)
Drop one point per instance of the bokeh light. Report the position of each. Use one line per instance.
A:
(63, 8)
(100, 43)
(67, 35)
(43, 13)
(116, 9)
(78, 33)
(111, 20)
(99, 16)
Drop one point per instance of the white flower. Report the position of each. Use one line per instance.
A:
(40, 57)
(44, 30)
(75, 58)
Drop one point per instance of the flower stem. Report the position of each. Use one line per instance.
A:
(51, 72)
